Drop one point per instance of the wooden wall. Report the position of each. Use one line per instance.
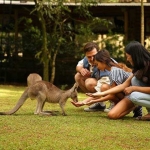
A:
(129, 14)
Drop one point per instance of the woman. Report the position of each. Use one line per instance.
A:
(139, 91)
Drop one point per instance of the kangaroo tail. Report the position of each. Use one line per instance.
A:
(20, 102)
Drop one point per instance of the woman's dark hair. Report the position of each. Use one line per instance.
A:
(90, 46)
(104, 56)
(140, 56)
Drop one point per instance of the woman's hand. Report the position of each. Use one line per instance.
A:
(97, 94)
(90, 102)
(128, 90)
(89, 94)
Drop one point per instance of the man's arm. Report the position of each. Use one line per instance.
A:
(83, 71)
(79, 68)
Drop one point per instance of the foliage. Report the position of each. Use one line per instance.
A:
(31, 37)
(57, 22)
(89, 30)
(77, 131)
(7, 44)
(67, 30)
(114, 44)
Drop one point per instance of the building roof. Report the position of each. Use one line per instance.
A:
(24, 2)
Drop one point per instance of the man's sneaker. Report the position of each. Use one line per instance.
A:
(95, 107)
(110, 107)
(137, 111)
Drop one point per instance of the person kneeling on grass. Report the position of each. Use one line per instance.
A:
(116, 76)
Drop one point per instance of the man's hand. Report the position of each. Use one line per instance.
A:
(84, 72)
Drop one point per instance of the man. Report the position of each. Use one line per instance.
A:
(87, 74)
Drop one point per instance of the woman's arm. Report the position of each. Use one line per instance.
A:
(131, 89)
(115, 89)
(102, 99)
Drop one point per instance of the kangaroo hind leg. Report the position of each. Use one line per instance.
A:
(39, 107)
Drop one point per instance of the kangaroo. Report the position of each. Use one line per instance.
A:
(43, 92)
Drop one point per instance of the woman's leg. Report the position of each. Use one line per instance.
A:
(141, 99)
(118, 97)
(138, 110)
(121, 109)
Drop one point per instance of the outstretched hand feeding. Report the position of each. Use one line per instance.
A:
(97, 94)
(89, 94)
(90, 102)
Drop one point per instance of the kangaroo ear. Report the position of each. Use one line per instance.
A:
(75, 86)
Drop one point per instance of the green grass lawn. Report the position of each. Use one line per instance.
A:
(78, 130)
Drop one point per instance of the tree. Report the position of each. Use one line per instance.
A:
(44, 49)
(142, 23)
(54, 17)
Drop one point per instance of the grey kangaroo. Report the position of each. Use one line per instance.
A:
(43, 92)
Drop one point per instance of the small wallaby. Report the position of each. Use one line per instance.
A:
(43, 92)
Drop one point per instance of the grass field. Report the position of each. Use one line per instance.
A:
(78, 130)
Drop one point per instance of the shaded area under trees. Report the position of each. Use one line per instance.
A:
(65, 36)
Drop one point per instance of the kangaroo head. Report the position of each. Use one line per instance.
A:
(74, 93)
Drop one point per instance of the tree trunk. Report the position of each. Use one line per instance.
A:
(53, 67)
(45, 53)
(142, 23)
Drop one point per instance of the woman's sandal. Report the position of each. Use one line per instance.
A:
(143, 118)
